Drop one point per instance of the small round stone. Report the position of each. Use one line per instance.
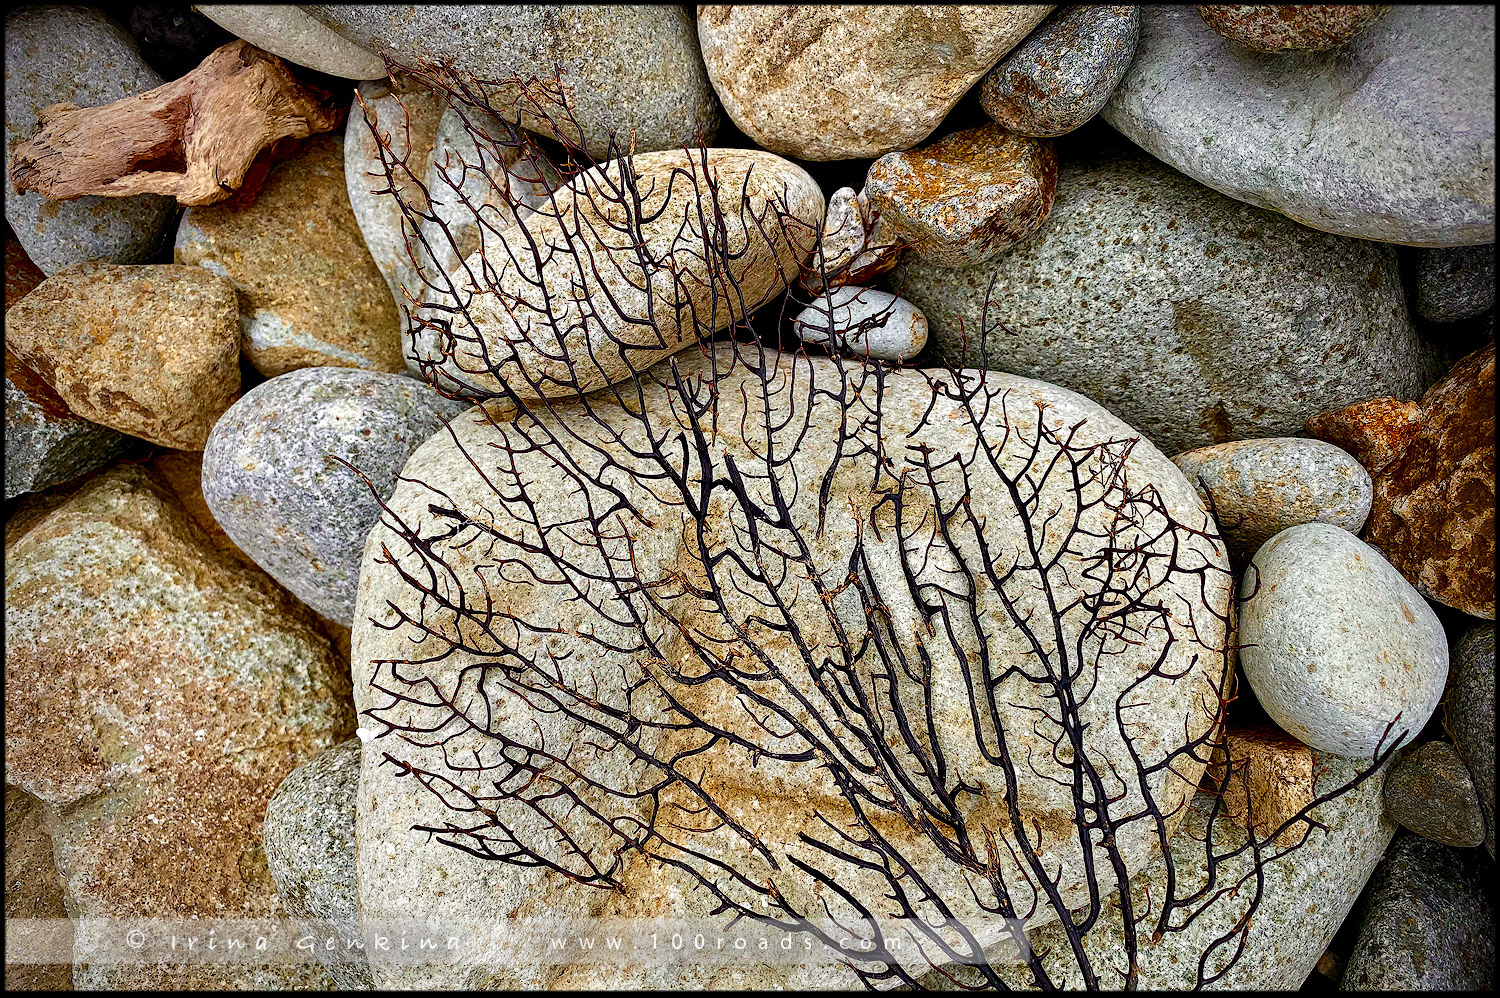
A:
(1430, 792)
(1065, 70)
(271, 478)
(1336, 644)
(864, 322)
(1270, 27)
(1261, 487)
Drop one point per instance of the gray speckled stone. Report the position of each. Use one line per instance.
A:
(1261, 487)
(45, 443)
(1469, 716)
(1430, 792)
(1195, 318)
(865, 323)
(309, 840)
(1428, 924)
(270, 477)
(1335, 643)
(1456, 282)
(1064, 71)
(76, 55)
(623, 68)
(1390, 137)
(286, 30)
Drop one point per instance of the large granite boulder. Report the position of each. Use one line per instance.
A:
(1197, 319)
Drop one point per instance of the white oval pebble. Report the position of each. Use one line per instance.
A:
(1336, 643)
(864, 323)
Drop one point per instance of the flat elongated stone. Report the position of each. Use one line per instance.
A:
(1280, 27)
(1469, 716)
(286, 30)
(1390, 137)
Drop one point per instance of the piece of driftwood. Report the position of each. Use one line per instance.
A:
(195, 138)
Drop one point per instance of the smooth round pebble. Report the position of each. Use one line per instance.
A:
(1335, 643)
(270, 478)
(864, 323)
(1065, 70)
(1261, 487)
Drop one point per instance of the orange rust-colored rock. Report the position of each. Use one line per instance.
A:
(1375, 432)
(1434, 511)
(1270, 778)
(1270, 27)
(195, 138)
(965, 198)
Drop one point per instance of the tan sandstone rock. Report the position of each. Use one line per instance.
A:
(842, 82)
(33, 890)
(1267, 781)
(156, 691)
(152, 350)
(531, 586)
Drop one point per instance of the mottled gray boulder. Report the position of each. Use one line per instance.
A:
(1429, 923)
(624, 68)
(1335, 643)
(863, 322)
(1430, 792)
(45, 442)
(1064, 71)
(271, 477)
(1390, 137)
(76, 55)
(1196, 318)
(1469, 716)
(309, 840)
(1456, 282)
(288, 31)
(1261, 487)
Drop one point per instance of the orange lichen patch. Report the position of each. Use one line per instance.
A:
(1376, 432)
(196, 138)
(1270, 778)
(1434, 510)
(968, 196)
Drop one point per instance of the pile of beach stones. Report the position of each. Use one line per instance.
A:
(1259, 237)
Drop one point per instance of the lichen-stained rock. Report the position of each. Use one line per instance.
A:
(1431, 793)
(75, 55)
(150, 350)
(1064, 71)
(1261, 487)
(1282, 27)
(1390, 137)
(156, 692)
(290, 32)
(1267, 778)
(45, 442)
(1469, 716)
(309, 841)
(1429, 923)
(33, 889)
(1434, 511)
(1197, 319)
(843, 82)
(716, 234)
(272, 474)
(499, 512)
(966, 198)
(310, 296)
(1340, 650)
(1376, 431)
(631, 69)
